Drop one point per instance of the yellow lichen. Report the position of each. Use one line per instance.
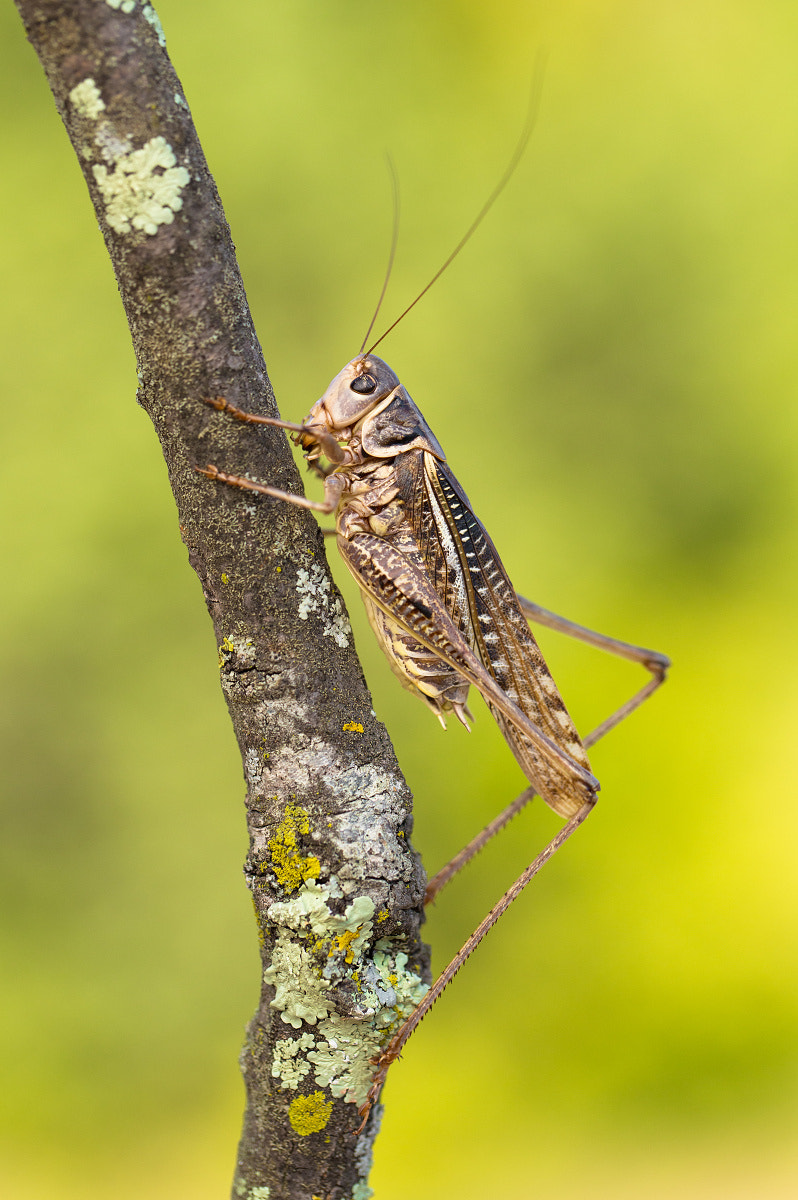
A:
(353, 727)
(309, 1114)
(345, 940)
(292, 869)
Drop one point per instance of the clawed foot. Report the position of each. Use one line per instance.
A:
(210, 472)
(222, 405)
(382, 1063)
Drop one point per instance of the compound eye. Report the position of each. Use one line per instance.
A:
(364, 385)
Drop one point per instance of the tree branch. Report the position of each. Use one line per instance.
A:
(336, 886)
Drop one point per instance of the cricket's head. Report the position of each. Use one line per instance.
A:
(355, 391)
(366, 397)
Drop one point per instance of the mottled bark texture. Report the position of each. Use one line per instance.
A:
(336, 886)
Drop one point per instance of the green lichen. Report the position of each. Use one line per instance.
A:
(290, 868)
(344, 1047)
(348, 932)
(408, 987)
(362, 1191)
(300, 991)
(342, 1058)
(324, 977)
(301, 974)
(309, 1114)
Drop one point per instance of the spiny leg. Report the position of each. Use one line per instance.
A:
(656, 663)
(221, 404)
(328, 444)
(263, 489)
(438, 881)
(395, 1046)
(653, 661)
(402, 589)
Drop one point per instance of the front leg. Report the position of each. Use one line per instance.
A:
(327, 443)
(333, 489)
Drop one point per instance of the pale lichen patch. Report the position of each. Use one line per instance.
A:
(125, 6)
(287, 1066)
(151, 17)
(242, 1189)
(144, 189)
(239, 650)
(253, 768)
(300, 992)
(375, 806)
(86, 100)
(324, 976)
(306, 758)
(342, 1059)
(309, 910)
(313, 587)
(110, 143)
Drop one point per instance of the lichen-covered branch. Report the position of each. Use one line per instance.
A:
(336, 885)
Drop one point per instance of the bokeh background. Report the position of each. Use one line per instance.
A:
(611, 367)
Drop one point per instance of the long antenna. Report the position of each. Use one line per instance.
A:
(515, 158)
(392, 255)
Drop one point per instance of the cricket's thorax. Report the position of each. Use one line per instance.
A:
(369, 501)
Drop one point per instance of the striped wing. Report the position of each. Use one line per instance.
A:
(482, 602)
(439, 578)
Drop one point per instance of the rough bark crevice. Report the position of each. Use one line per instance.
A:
(337, 887)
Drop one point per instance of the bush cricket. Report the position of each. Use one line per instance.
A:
(439, 599)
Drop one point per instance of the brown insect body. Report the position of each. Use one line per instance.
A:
(444, 611)
(439, 599)
(435, 590)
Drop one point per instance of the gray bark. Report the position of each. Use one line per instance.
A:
(336, 885)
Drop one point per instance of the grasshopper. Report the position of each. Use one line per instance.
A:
(440, 601)
(442, 607)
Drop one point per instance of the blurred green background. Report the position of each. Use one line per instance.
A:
(611, 368)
